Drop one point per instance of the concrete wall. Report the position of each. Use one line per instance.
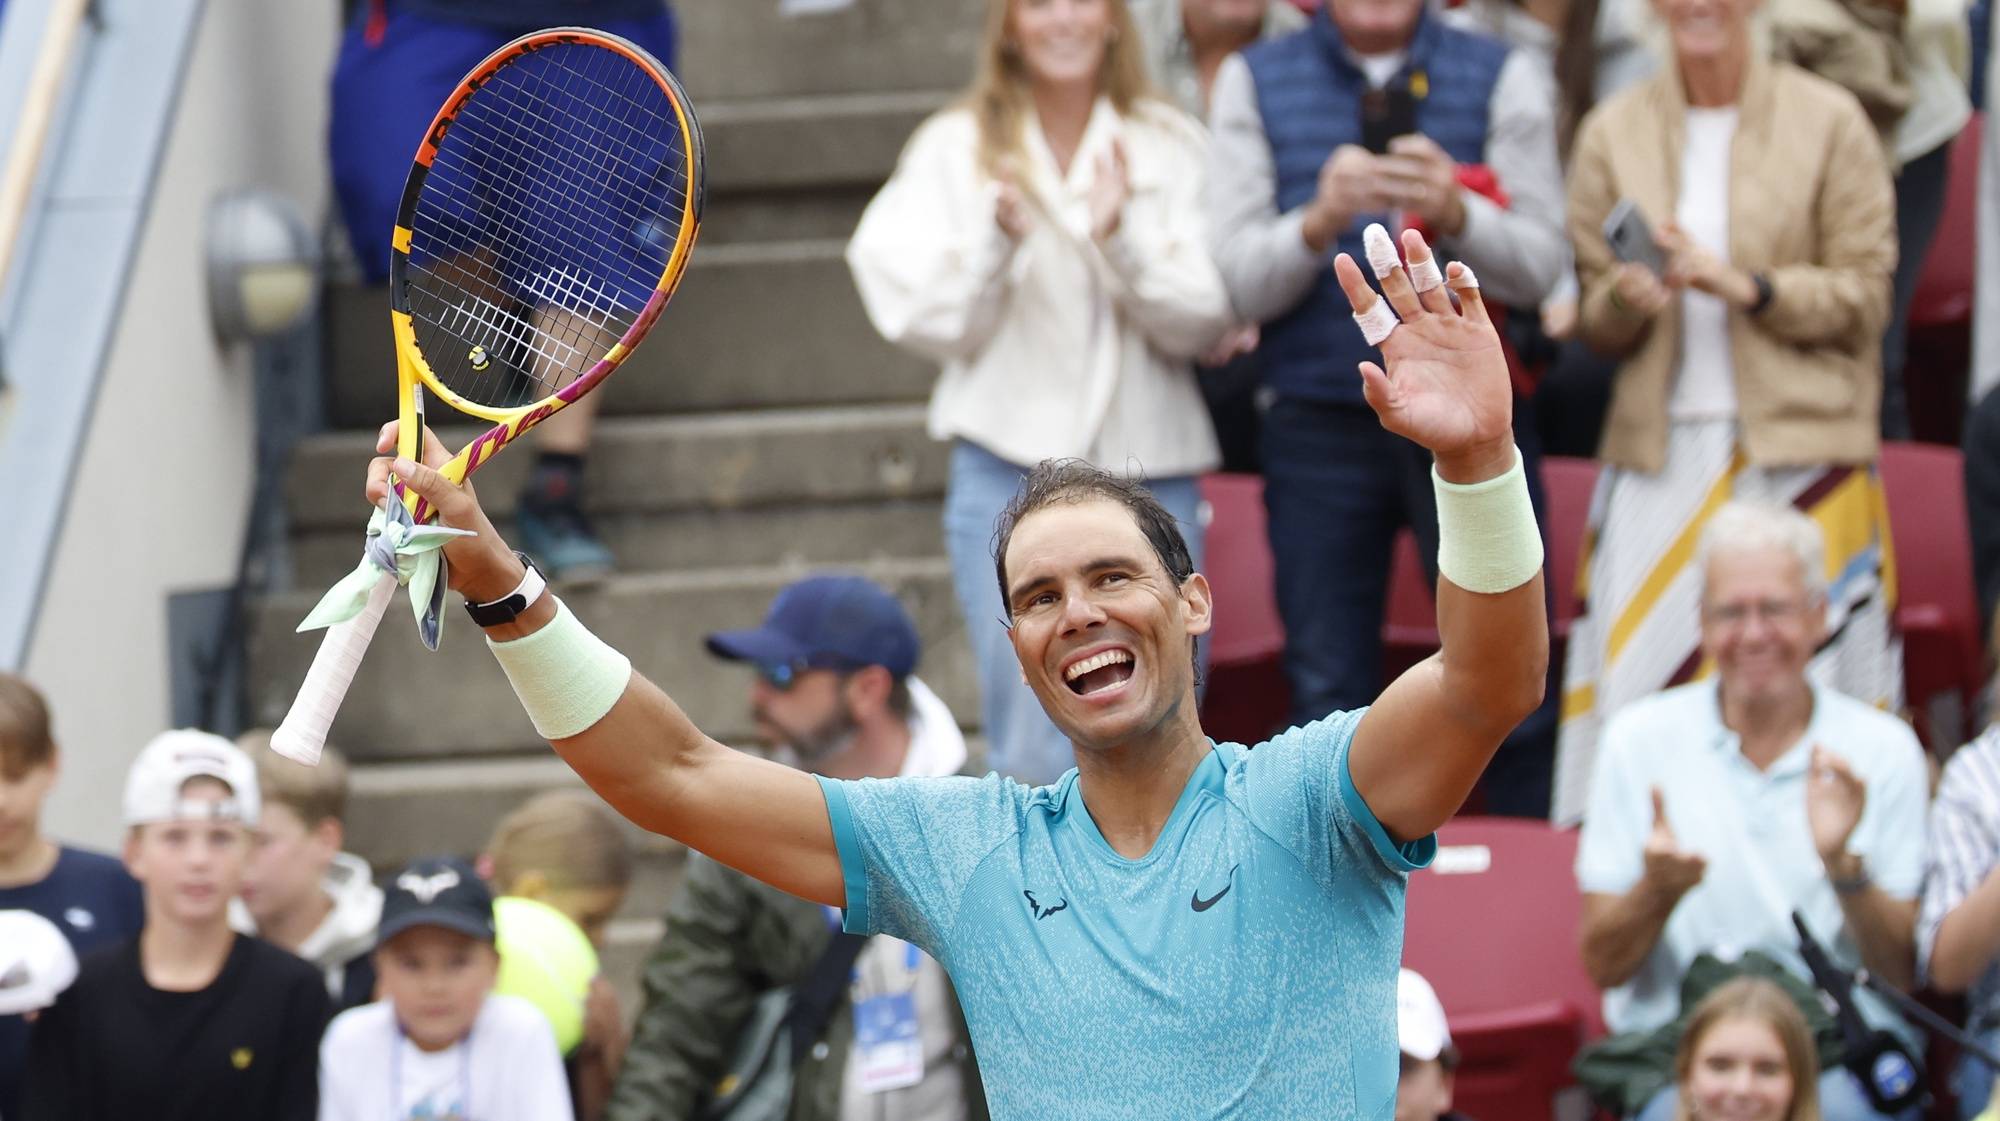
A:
(158, 498)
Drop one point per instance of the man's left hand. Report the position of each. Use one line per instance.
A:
(1835, 797)
(1445, 385)
(1423, 180)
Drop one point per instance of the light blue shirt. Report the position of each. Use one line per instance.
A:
(1750, 825)
(1244, 968)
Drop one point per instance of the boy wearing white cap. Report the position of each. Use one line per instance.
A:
(189, 1021)
(1423, 1089)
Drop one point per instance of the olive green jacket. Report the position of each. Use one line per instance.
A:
(729, 940)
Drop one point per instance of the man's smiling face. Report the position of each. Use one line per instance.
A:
(1101, 628)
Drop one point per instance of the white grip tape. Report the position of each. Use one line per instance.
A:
(1377, 322)
(1463, 278)
(1487, 538)
(302, 735)
(1424, 274)
(566, 677)
(1381, 250)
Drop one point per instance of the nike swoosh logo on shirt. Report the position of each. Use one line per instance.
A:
(1200, 904)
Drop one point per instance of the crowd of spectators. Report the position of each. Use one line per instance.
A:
(1704, 220)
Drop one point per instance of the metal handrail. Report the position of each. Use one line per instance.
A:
(24, 156)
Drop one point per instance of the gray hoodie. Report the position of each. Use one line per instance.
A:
(340, 945)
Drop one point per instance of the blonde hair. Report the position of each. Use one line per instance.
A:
(1754, 998)
(566, 835)
(26, 742)
(315, 794)
(998, 97)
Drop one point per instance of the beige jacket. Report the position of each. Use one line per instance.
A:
(1811, 207)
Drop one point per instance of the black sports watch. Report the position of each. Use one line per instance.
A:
(509, 607)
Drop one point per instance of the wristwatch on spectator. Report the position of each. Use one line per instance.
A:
(1764, 293)
(509, 607)
(1848, 873)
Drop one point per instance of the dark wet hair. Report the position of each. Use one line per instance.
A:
(1056, 481)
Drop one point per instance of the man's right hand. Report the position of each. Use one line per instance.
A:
(1670, 870)
(481, 567)
(1638, 291)
(1350, 184)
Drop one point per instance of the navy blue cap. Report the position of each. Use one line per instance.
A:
(828, 622)
(437, 891)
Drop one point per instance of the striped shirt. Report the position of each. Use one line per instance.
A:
(1964, 847)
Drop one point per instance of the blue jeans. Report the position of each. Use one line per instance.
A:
(1021, 741)
(1840, 1099)
(1972, 1079)
(1337, 487)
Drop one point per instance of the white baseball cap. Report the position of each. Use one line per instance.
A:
(153, 785)
(36, 962)
(1420, 1027)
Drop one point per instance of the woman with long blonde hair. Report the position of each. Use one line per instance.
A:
(1747, 1055)
(1042, 239)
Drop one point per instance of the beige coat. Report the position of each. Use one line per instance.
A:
(1811, 207)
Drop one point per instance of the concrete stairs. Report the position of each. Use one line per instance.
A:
(762, 431)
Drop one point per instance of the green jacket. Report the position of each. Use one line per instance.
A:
(729, 940)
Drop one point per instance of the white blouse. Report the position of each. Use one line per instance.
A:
(1055, 345)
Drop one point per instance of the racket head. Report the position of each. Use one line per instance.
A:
(546, 221)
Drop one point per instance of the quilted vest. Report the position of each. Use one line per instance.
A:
(1309, 93)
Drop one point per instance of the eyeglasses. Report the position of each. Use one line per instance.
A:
(1769, 610)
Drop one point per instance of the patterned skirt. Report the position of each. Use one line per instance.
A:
(1640, 630)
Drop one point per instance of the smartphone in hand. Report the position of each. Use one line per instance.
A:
(1631, 239)
(1387, 113)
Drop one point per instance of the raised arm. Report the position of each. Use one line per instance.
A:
(639, 752)
(1424, 743)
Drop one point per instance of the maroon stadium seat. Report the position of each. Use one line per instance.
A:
(1247, 698)
(1493, 927)
(1937, 608)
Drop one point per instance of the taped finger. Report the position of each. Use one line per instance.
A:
(1387, 262)
(1377, 322)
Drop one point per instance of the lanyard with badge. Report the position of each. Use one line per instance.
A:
(461, 1112)
(888, 1040)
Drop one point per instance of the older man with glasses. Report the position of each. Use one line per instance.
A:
(836, 688)
(1721, 807)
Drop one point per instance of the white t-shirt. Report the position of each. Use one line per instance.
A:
(506, 1069)
(1705, 385)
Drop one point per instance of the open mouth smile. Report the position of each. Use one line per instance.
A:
(1106, 669)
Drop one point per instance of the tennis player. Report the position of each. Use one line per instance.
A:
(1176, 928)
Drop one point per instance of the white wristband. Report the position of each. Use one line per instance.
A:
(1487, 538)
(566, 677)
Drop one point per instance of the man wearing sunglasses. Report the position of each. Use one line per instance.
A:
(835, 689)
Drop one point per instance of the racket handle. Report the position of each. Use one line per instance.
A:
(302, 736)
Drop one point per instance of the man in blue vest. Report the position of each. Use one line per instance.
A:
(1375, 112)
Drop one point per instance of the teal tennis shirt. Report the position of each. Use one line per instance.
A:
(1244, 968)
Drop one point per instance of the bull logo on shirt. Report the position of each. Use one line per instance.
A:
(240, 1058)
(1041, 911)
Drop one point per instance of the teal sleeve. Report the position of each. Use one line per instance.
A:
(908, 847)
(1411, 857)
(854, 878)
(1300, 794)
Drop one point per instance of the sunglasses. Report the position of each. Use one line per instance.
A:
(783, 675)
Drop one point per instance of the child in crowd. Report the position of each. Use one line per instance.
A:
(441, 1043)
(300, 892)
(88, 896)
(1423, 1087)
(562, 866)
(189, 1021)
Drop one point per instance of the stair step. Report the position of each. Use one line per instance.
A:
(714, 461)
(829, 534)
(407, 704)
(734, 49)
(753, 325)
(793, 142)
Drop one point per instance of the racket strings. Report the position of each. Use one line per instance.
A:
(548, 216)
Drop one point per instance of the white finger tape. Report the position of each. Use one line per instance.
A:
(1377, 322)
(1381, 249)
(1463, 278)
(1424, 274)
